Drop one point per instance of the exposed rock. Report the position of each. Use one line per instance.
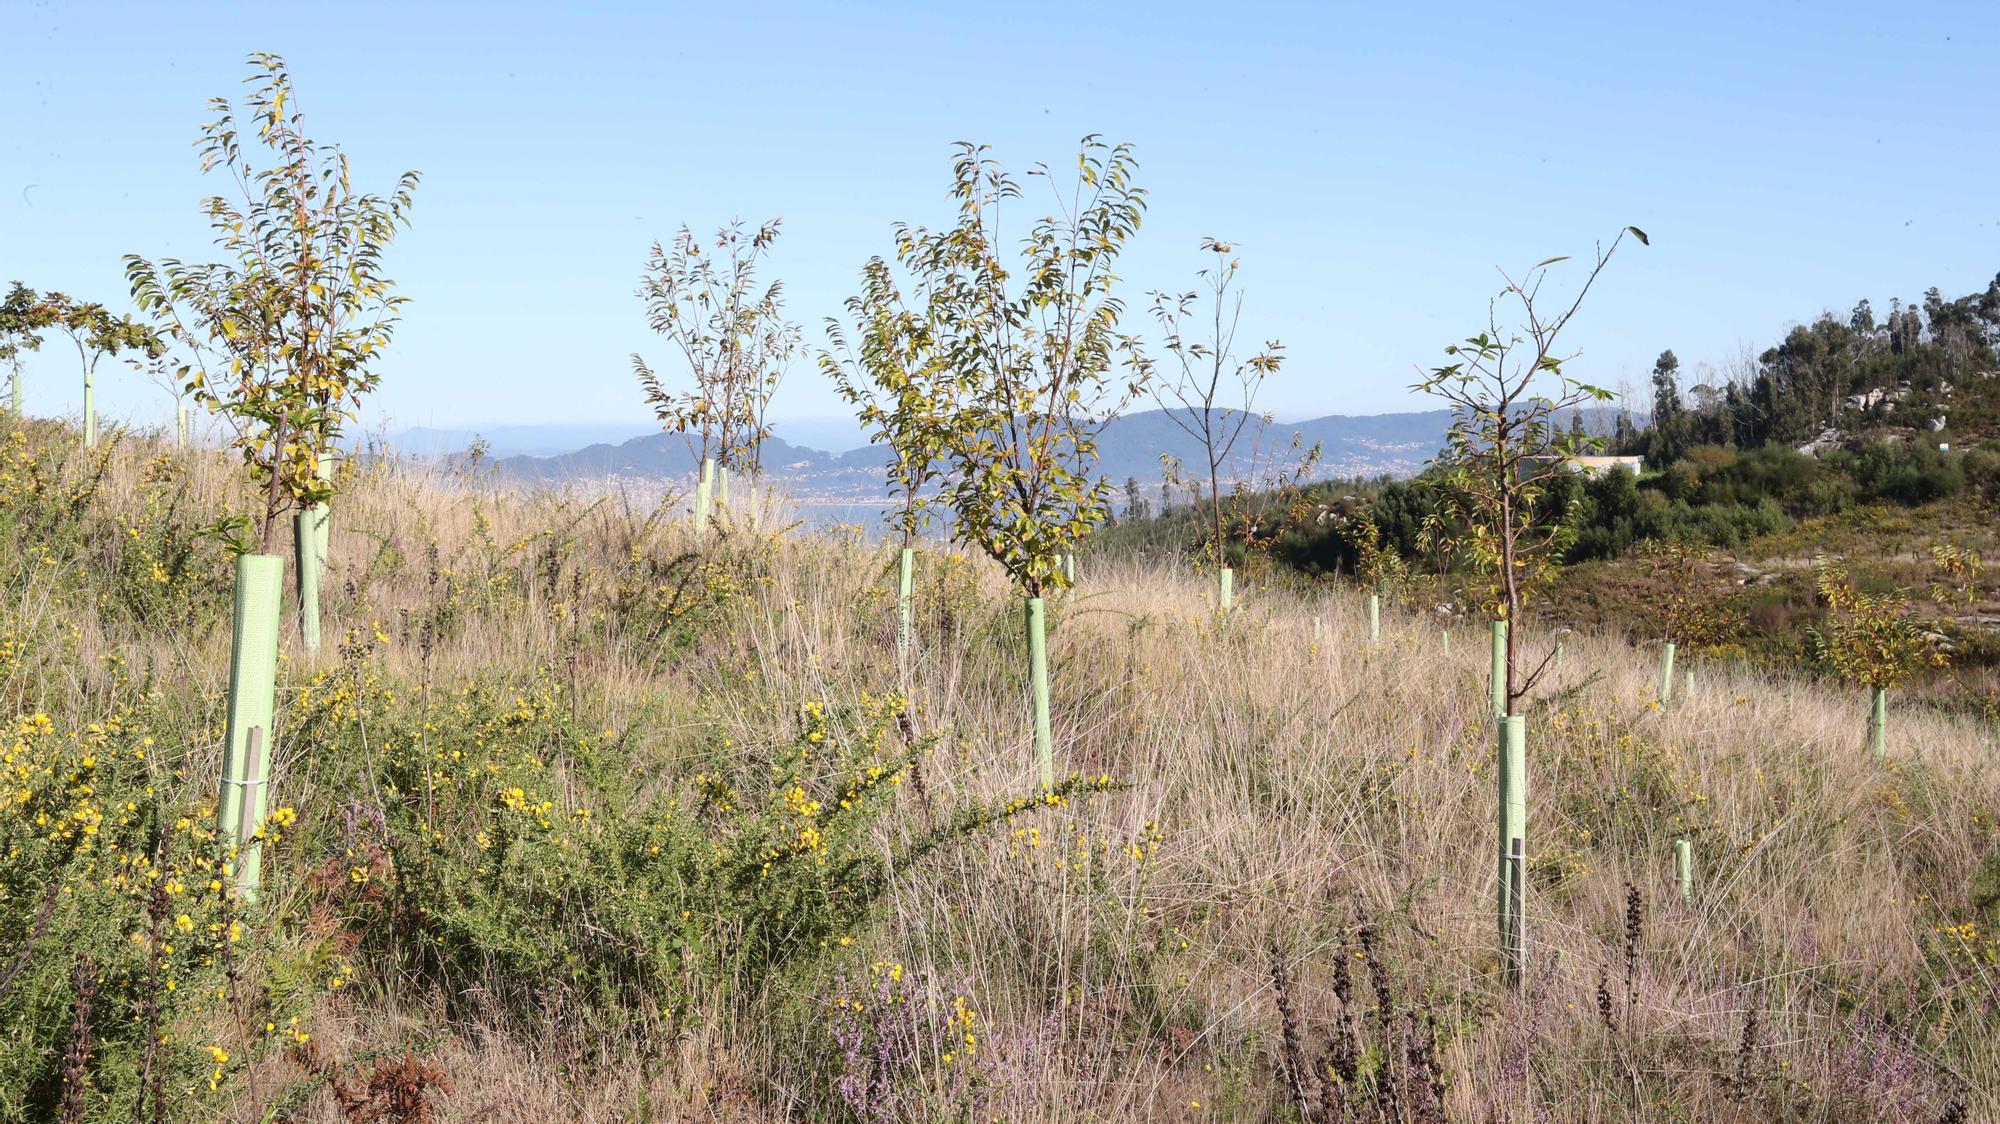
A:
(1827, 439)
(1935, 425)
(1869, 399)
(1746, 574)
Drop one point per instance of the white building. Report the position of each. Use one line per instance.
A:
(1598, 466)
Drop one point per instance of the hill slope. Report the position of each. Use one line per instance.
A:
(596, 818)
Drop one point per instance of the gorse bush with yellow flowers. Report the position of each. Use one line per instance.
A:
(125, 920)
(513, 846)
(142, 563)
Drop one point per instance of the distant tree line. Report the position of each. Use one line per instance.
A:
(1798, 389)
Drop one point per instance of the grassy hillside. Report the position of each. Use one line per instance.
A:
(1760, 519)
(589, 817)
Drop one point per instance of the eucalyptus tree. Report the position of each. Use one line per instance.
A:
(1208, 391)
(1503, 453)
(23, 318)
(96, 334)
(901, 394)
(733, 335)
(283, 338)
(1031, 364)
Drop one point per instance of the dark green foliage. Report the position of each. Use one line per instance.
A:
(1926, 359)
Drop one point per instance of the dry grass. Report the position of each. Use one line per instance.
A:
(1278, 790)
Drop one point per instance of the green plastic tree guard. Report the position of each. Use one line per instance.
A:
(1878, 721)
(1684, 868)
(1666, 672)
(1497, 678)
(89, 410)
(305, 551)
(180, 427)
(1227, 578)
(1038, 684)
(1687, 683)
(702, 490)
(1513, 770)
(1374, 616)
(323, 515)
(253, 679)
(722, 487)
(905, 604)
(1446, 634)
(310, 541)
(17, 394)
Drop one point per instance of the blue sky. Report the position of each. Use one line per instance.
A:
(1374, 163)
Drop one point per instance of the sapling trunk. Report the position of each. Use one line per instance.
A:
(1666, 672)
(248, 735)
(1878, 721)
(305, 550)
(1684, 868)
(905, 604)
(1226, 588)
(1513, 854)
(1497, 678)
(1038, 686)
(1374, 616)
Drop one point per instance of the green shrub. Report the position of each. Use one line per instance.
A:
(119, 922)
(1909, 473)
(156, 565)
(577, 885)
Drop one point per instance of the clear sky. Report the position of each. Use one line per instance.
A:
(1374, 163)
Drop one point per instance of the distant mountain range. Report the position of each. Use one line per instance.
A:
(1130, 446)
(837, 434)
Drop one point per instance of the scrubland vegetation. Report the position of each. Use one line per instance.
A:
(589, 815)
(566, 805)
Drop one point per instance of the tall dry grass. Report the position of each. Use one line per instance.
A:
(1126, 953)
